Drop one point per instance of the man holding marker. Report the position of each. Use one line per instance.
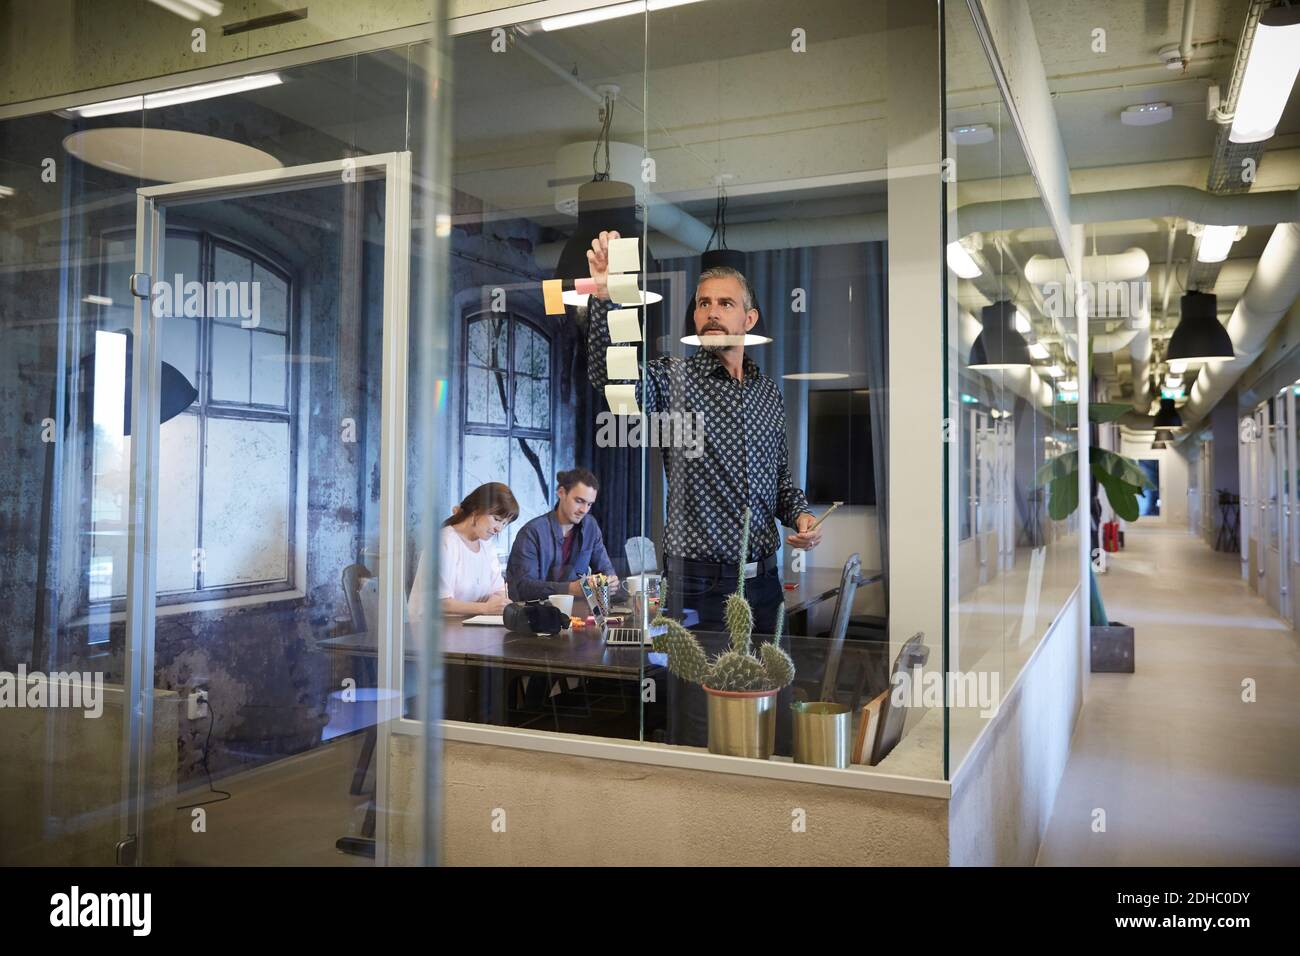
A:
(744, 462)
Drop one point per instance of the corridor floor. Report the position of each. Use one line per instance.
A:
(1185, 771)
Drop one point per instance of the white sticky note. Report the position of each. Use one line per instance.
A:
(620, 362)
(624, 325)
(624, 256)
(624, 290)
(622, 399)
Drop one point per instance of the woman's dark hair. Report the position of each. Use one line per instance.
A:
(574, 476)
(492, 498)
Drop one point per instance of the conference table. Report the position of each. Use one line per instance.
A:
(481, 661)
(483, 664)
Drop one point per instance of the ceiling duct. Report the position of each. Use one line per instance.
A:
(1270, 293)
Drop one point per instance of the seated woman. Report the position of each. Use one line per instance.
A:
(470, 579)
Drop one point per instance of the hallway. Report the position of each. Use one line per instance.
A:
(1186, 772)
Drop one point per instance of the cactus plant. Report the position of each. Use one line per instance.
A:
(736, 669)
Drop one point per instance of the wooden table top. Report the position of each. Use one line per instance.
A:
(580, 651)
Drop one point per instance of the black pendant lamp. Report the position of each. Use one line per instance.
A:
(175, 395)
(1200, 336)
(1158, 445)
(603, 205)
(1168, 416)
(999, 345)
(1164, 434)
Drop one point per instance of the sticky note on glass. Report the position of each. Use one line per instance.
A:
(624, 256)
(624, 290)
(622, 399)
(553, 296)
(620, 362)
(624, 325)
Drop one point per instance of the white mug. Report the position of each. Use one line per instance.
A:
(564, 602)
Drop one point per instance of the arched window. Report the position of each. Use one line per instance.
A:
(508, 410)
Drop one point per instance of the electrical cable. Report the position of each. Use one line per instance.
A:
(226, 794)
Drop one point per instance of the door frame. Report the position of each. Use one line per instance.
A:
(152, 202)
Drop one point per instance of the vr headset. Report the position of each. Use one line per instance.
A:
(534, 617)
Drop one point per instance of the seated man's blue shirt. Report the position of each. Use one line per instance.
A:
(537, 568)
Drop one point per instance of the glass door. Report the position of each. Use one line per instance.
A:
(267, 546)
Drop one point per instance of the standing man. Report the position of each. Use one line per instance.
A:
(744, 462)
(554, 551)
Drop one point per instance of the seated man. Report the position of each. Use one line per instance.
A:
(552, 552)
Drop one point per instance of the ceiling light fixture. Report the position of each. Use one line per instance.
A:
(1023, 325)
(1070, 385)
(1216, 242)
(6, 192)
(1054, 371)
(1164, 434)
(184, 94)
(1147, 114)
(1173, 381)
(960, 261)
(813, 376)
(1038, 352)
(1168, 416)
(974, 134)
(999, 345)
(1270, 73)
(584, 17)
(1200, 336)
(1177, 368)
(190, 9)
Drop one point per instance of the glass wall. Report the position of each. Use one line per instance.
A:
(1012, 396)
(641, 413)
(201, 478)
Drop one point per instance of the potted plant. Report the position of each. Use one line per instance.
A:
(1124, 481)
(741, 686)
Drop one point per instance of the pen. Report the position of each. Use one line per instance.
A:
(834, 505)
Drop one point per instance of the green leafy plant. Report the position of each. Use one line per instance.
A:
(737, 668)
(1123, 479)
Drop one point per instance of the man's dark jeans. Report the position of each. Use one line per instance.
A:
(707, 595)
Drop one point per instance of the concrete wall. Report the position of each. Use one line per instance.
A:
(1003, 793)
(579, 811)
(61, 788)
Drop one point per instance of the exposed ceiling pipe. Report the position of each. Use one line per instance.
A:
(1140, 362)
(1132, 263)
(1155, 202)
(1269, 294)
(1185, 45)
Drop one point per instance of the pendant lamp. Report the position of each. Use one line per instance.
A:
(1168, 416)
(999, 345)
(1200, 336)
(1164, 434)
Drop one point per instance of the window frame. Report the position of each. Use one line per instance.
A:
(205, 408)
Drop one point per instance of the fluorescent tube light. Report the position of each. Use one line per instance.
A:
(1022, 323)
(960, 261)
(584, 17)
(1270, 74)
(1055, 371)
(1216, 241)
(97, 300)
(1070, 385)
(190, 9)
(185, 94)
(6, 192)
(1039, 351)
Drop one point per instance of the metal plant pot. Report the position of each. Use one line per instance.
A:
(821, 733)
(742, 723)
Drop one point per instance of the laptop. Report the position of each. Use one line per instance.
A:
(630, 633)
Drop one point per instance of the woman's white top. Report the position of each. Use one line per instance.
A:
(465, 575)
